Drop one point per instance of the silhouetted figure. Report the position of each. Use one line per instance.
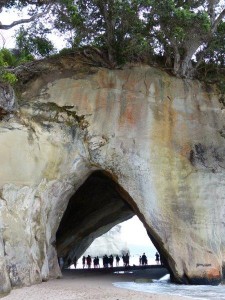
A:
(124, 260)
(97, 262)
(140, 260)
(105, 261)
(111, 259)
(144, 260)
(157, 258)
(75, 262)
(127, 260)
(117, 261)
(83, 261)
(89, 260)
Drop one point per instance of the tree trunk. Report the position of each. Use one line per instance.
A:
(186, 69)
(176, 64)
(110, 38)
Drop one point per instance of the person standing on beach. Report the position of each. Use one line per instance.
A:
(75, 262)
(97, 262)
(83, 261)
(140, 260)
(144, 260)
(117, 261)
(89, 260)
(157, 258)
(111, 261)
(127, 260)
(124, 260)
(105, 261)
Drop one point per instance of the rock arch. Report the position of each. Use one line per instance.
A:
(160, 139)
(97, 206)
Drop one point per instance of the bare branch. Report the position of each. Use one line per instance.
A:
(3, 40)
(23, 21)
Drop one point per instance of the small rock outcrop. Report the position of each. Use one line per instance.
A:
(88, 147)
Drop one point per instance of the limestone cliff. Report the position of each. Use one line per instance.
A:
(111, 242)
(84, 148)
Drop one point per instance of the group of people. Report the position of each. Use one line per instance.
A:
(107, 261)
(143, 261)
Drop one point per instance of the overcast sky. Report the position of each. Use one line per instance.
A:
(134, 232)
(7, 36)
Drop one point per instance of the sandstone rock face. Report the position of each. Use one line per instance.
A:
(90, 147)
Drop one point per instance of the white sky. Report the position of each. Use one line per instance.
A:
(134, 233)
(7, 38)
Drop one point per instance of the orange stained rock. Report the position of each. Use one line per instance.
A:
(213, 273)
(132, 112)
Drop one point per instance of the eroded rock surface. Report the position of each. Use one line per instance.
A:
(157, 138)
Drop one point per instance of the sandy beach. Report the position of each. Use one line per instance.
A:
(90, 284)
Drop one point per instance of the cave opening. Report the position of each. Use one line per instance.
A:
(98, 205)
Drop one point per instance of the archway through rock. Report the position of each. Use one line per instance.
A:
(97, 206)
(130, 237)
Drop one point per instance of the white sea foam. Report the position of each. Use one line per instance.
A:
(163, 286)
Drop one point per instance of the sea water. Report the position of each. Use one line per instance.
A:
(163, 286)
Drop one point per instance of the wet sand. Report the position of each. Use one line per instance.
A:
(92, 285)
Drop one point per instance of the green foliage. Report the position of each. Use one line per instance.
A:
(181, 33)
(181, 30)
(215, 53)
(6, 59)
(28, 42)
(19, 4)
(8, 77)
(113, 25)
(178, 24)
(69, 19)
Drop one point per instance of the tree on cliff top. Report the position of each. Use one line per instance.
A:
(187, 29)
(184, 34)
